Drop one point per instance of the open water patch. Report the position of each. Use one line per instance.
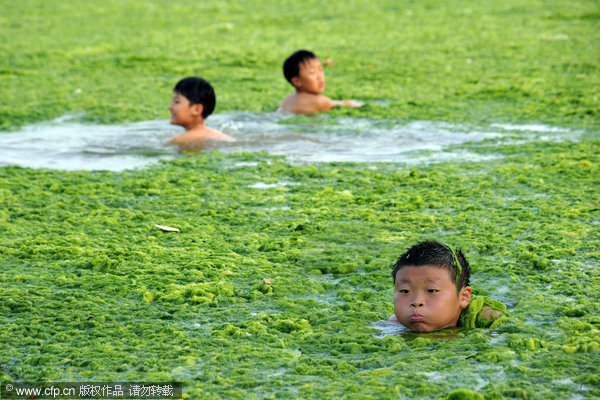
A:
(66, 144)
(276, 185)
(389, 328)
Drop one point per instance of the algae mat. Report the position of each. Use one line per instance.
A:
(91, 290)
(117, 61)
(278, 279)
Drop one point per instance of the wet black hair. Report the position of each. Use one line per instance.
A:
(198, 91)
(291, 66)
(439, 255)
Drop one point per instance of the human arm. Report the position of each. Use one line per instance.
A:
(307, 103)
(348, 103)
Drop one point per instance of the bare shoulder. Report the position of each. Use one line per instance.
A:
(213, 134)
(305, 103)
(183, 139)
(200, 138)
(488, 312)
(288, 103)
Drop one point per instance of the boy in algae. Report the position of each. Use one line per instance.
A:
(193, 101)
(305, 72)
(432, 291)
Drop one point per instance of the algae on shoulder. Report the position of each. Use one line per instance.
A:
(483, 312)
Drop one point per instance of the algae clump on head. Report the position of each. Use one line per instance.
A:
(464, 394)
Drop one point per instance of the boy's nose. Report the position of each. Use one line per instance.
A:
(417, 301)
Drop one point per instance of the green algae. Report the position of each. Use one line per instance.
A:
(456, 263)
(274, 292)
(464, 394)
(474, 316)
(511, 61)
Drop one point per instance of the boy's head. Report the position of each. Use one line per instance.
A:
(305, 72)
(431, 286)
(197, 91)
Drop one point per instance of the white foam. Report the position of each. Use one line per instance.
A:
(66, 144)
(280, 184)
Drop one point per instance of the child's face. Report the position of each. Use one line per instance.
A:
(425, 298)
(181, 112)
(311, 78)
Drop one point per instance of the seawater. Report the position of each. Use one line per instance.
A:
(66, 144)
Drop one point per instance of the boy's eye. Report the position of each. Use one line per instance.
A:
(403, 291)
(432, 290)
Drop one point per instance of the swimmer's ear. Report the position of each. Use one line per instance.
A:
(464, 297)
(197, 109)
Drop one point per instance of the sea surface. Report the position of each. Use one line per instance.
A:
(66, 144)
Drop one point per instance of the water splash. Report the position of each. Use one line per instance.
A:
(66, 144)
